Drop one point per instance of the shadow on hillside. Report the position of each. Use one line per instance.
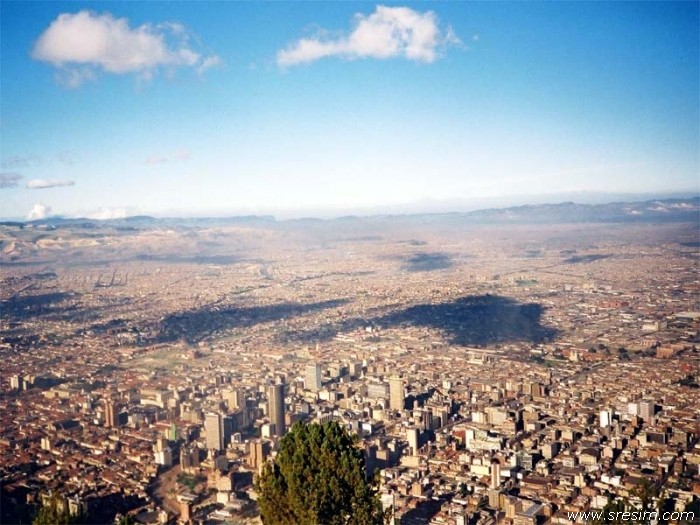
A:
(427, 262)
(195, 325)
(471, 320)
(18, 308)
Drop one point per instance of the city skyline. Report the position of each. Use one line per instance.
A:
(232, 108)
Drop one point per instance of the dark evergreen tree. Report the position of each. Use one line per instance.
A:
(318, 477)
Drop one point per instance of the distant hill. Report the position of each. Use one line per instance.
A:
(230, 240)
(668, 210)
(146, 222)
(652, 211)
(663, 210)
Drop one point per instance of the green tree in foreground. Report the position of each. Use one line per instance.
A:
(318, 476)
(49, 514)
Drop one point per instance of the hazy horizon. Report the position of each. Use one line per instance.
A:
(426, 206)
(323, 109)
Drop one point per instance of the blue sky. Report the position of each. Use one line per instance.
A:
(211, 108)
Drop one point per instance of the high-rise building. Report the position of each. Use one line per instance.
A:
(396, 393)
(164, 457)
(313, 377)
(228, 424)
(412, 438)
(605, 418)
(259, 451)
(189, 458)
(495, 474)
(111, 413)
(214, 431)
(355, 369)
(377, 390)
(275, 395)
(426, 419)
(160, 444)
(234, 398)
(173, 432)
(16, 382)
(647, 409)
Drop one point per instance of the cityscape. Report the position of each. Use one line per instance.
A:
(338, 263)
(491, 372)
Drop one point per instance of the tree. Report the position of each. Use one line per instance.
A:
(646, 492)
(50, 514)
(463, 490)
(318, 476)
(613, 506)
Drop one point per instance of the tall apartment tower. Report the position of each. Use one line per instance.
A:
(313, 377)
(111, 413)
(214, 431)
(647, 410)
(412, 438)
(495, 474)
(396, 393)
(234, 398)
(275, 396)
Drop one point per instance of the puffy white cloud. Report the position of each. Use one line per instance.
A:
(80, 44)
(387, 33)
(39, 211)
(40, 184)
(9, 179)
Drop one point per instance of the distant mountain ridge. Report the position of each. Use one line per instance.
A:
(658, 210)
(666, 210)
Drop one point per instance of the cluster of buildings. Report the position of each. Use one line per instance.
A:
(168, 415)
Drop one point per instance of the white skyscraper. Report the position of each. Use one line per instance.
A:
(412, 438)
(214, 431)
(396, 393)
(313, 377)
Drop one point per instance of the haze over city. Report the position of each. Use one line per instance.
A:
(122, 108)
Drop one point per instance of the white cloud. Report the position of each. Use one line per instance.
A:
(103, 214)
(82, 44)
(387, 33)
(40, 184)
(39, 211)
(208, 63)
